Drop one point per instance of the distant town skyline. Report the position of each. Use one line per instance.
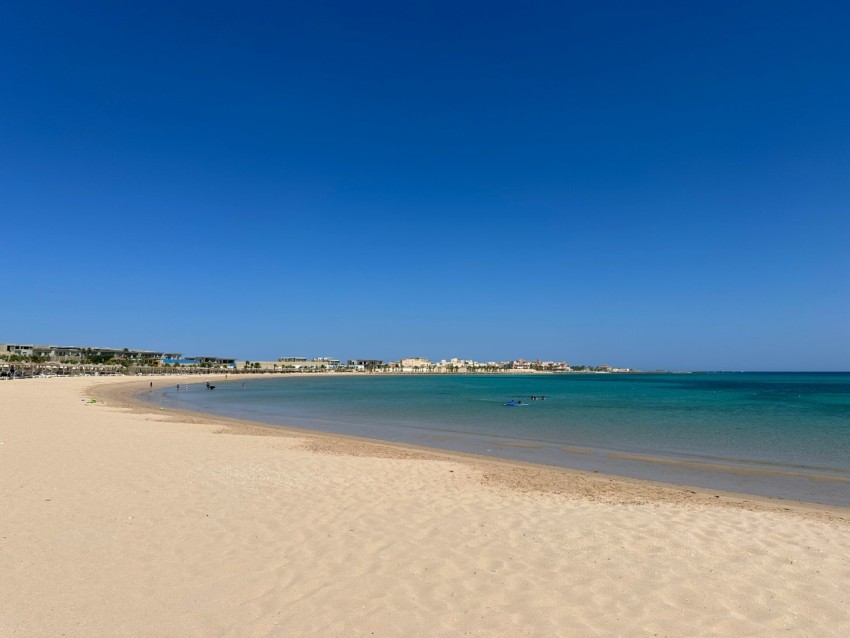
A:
(53, 353)
(658, 186)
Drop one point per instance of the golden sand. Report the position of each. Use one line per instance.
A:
(121, 520)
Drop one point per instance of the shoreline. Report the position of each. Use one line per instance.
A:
(516, 474)
(119, 519)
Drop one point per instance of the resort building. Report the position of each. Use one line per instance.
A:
(298, 363)
(365, 364)
(204, 362)
(455, 365)
(414, 364)
(289, 364)
(262, 366)
(216, 361)
(53, 355)
(83, 354)
(56, 353)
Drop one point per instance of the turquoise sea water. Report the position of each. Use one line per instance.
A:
(774, 434)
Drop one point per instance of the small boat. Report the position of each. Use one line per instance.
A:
(515, 404)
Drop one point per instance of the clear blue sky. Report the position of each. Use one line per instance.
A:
(653, 184)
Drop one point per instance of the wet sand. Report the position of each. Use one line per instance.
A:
(119, 519)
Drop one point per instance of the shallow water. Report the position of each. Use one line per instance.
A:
(774, 434)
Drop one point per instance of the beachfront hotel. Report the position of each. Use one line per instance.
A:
(79, 354)
(56, 353)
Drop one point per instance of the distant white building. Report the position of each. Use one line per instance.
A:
(455, 365)
(415, 364)
(365, 364)
(298, 363)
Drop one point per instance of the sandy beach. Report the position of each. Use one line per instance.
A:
(119, 519)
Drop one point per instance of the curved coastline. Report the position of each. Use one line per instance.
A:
(514, 473)
(120, 519)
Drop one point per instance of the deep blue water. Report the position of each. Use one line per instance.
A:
(775, 434)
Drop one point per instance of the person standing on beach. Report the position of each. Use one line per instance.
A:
(151, 385)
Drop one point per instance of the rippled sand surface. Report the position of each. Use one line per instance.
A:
(116, 521)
